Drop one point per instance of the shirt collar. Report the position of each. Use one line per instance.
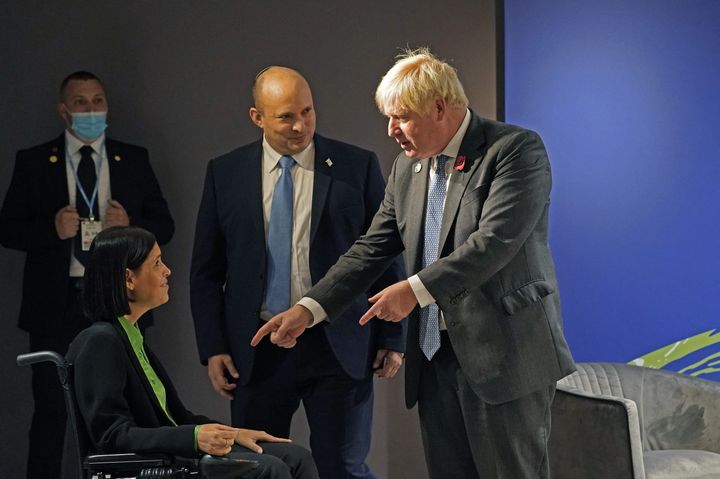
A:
(132, 331)
(73, 145)
(453, 148)
(305, 159)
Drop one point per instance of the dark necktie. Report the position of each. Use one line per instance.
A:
(430, 315)
(277, 298)
(87, 178)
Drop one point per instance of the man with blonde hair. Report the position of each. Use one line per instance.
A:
(467, 203)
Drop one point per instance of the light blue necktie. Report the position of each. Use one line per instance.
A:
(277, 298)
(430, 315)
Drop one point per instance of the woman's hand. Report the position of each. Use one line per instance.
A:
(216, 439)
(248, 438)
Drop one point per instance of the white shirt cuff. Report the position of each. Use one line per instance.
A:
(319, 314)
(423, 295)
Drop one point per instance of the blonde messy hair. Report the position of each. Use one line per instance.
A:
(415, 80)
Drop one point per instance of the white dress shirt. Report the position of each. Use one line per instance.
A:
(72, 160)
(303, 178)
(423, 296)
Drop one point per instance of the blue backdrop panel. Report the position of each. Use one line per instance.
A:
(626, 97)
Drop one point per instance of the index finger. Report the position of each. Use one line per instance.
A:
(369, 314)
(266, 329)
(270, 438)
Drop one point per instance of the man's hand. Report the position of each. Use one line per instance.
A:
(115, 215)
(67, 222)
(248, 438)
(393, 303)
(217, 365)
(216, 439)
(387, 363)
(285, 328)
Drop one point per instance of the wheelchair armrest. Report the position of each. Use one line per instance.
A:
(213, 467)
(126, 460)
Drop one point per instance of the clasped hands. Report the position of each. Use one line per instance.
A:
(67, 220)
(217, 439)
(393, 303)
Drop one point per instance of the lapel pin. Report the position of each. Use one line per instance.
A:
(328, 162)
(53, 158)
(418, 167)
(117, 158)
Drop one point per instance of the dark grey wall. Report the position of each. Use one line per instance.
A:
(178, 76)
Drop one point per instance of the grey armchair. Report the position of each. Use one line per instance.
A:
(618, 421)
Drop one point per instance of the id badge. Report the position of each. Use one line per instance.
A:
(89, 229)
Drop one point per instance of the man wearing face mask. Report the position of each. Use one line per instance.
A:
(61, 195)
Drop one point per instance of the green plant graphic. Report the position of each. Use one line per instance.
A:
(672, 352)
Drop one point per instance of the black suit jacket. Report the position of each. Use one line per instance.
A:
(495, 279)
(38, 189)
(227, 279)
(119, 409)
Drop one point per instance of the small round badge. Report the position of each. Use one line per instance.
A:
(418, 167)
(53, 159)
(116, 158)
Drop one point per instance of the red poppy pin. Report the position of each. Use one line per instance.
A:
(459, 163)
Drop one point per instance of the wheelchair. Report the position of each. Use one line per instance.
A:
(130, 465)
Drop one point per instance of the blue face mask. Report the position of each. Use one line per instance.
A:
(89, 126)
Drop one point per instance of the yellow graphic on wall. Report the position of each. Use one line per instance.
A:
(664, 356)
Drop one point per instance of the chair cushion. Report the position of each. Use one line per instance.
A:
(681, 464)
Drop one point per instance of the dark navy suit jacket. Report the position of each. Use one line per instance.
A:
(38, 189)
(227, 278)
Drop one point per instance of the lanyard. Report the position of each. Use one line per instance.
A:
(89, 202)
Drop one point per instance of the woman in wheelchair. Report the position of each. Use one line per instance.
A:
(125, 397)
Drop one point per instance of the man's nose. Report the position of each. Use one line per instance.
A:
(392, 127)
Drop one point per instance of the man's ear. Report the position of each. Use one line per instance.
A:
(439, 108)
(256, 116)
(64, 114)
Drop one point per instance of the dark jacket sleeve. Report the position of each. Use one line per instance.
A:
(208, 273)
(391, 335)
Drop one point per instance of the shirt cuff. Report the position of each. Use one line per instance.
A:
(197, 429)
(319, 314)
(422, 295)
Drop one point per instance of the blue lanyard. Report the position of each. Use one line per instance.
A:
(89, 202)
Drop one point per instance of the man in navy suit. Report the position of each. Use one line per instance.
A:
(248, 265)
(61, 193)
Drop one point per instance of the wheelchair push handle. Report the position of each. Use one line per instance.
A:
(40, 357)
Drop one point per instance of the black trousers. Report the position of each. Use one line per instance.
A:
(279, 461)
(338, 407)
(47, 429)
(466, 438)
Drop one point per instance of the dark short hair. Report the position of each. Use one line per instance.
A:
(112, 252)
(78, 75)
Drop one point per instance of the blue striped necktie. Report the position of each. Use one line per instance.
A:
(277, 297)
(430, 315)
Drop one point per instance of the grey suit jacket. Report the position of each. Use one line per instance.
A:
(495, 279)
